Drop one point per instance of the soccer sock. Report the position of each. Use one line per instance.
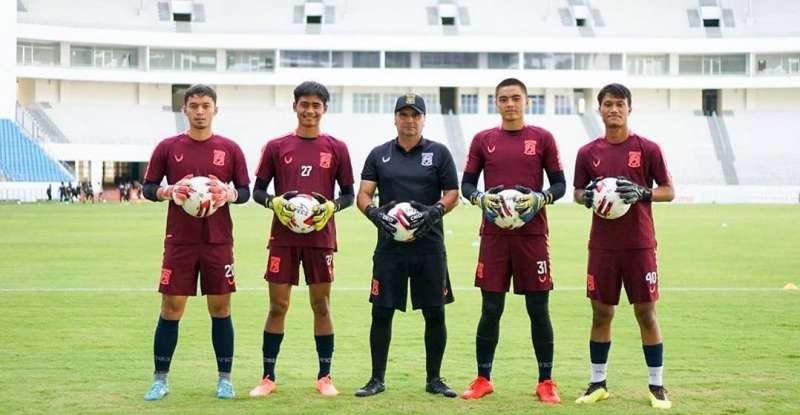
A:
(164, 342)
(325, 354)
(598, 352)
(270, 348)
(654, 356)
(380, 336)
(537, 304)
(435, 340)
(222, 339)
(488, 331)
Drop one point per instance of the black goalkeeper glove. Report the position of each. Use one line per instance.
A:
(631, 192)
(588, 194)
(381, 219)
(426, 217)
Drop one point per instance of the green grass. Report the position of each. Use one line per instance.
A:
(85, 351)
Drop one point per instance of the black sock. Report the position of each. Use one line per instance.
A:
(222, 339)
(435, 340)
(325, 354)
(380, 336)
(488, 331)
(164, 342)
(598, 351)
(270, 348)
(541, 331)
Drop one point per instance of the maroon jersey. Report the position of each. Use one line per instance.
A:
(177, 156)
(305, 165)
(512, 158)
(638, 159)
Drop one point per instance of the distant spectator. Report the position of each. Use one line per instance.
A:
(61, 192)
(49, 192)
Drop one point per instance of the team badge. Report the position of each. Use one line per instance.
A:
(375, 287)
(634, 159)
(590, 282)
(479, 271)
(427, 159)
(219, 158)
(166, 275)
(411, 99)
(325, 160)
(530, 148)
(274, 264)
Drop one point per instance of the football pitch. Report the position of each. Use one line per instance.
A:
(79, 307)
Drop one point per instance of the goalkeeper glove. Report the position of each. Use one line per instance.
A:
(177, 192)
(283, 207)
(588, 193)
(426, 217)
(221, 193)
(322, 212)
(489, 202)
(381, 219)
(631, 192)
(528, 203)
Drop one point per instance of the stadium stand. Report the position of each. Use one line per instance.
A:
(23, 160)
(766, 146)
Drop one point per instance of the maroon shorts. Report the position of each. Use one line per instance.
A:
(526, 258)
(283, 265)
(609, 270)
(183, 263)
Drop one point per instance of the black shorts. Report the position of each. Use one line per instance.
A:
(430, 281)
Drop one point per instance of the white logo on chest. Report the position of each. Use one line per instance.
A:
(427, 159)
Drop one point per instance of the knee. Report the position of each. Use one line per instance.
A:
(492, 308)
(278, 308)
(219, 310)
(382, 314)
(320, 307)
(434, 315)
(647, 319)
(602, 318)
(171, 310)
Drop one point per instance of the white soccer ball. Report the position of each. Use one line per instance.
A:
(199, 203)
(507, 216)
(302, 218)
(402, 213)
(607, 203)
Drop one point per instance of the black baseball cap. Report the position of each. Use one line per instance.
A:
(410, 100)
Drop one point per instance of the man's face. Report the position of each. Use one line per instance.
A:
(614, 111)
(309, 110)
(511, 102)
(409, 122)
(200, 111)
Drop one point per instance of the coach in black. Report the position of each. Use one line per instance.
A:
(410, 169)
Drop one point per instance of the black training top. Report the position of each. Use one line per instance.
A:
(420, 174)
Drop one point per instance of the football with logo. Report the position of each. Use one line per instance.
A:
(607, 203)
(402, 212)
(199, 204)
(302, 219)
(507, 215)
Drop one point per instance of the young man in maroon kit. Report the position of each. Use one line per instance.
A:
(196, 245)
(514, 156)
(622, 251)
(310, 162)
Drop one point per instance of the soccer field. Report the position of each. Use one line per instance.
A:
(77, 290)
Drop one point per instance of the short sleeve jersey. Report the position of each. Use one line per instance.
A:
(638, 159)
(510, 158)
(178, 156)
(305, 165)
(419, 174)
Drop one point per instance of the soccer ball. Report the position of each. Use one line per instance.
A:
(402, 213)
(302, 218)
(199, 203)
(507, 216)
(607, 203)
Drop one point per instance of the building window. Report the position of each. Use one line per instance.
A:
(366, 59)
(449, 60)
(491, 108)
(503, 60)
(398, 60)
(598, 61)
(549, 61)
(183, 60)
(432, 103)
(563, 105)
(34, 53)
(469, 104)
(366, 103)
(778, 64)
(250, 60)
(335, 103)
(535, 104)
(648, 65)
(712, 64)
(103, 57)
(305, 59)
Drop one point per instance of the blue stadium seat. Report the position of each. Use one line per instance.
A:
(21, 159)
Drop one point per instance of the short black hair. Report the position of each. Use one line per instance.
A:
(615, 90)
(311, 88)
(200, 90)
(511, 82)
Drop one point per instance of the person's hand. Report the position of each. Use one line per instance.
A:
(379, 216)
(528, 203)
(426, 217)
(588, 192)
(221, 193)
(631, 192)
(283, 207)
(178, 192)
(323, 212)
(489, 202)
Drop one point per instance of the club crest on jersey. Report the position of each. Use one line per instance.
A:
(166, 275)
(274, 264)
(590, 282)
(376, 287)
(530, 148)
(634, 159)
(325, 160)
(427, 159)
(219, 158)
